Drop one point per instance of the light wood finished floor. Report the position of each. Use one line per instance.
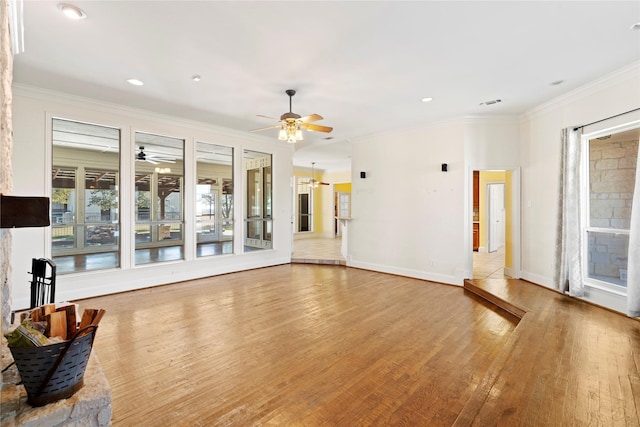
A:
(296, 344)
(319, 250)
(568, 363)
(324, 345)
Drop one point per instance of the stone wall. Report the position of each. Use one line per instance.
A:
(612, 177)
(89, 406)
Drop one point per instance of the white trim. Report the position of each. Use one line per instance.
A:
(406, 272)
(74, 287)
(509, 272)
(537, 279)
(397, 133)
(599, 285)
(111, 108)
(628, 72)
(516, 219)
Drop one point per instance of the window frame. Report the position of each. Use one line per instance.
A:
(585, 226)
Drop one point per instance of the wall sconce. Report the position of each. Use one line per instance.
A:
(445, 167)
(363, 175)
(19, 212)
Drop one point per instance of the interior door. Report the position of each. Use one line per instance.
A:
(496, 216)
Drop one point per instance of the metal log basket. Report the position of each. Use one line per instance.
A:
(53, 372)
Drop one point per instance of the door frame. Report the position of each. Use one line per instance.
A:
(516, 217)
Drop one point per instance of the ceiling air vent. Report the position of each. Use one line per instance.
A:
(493, 101)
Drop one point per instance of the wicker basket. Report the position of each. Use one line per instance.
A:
(56, 371)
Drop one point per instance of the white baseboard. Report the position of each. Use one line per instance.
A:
(537, 279)
(508, 271)
(415, 274)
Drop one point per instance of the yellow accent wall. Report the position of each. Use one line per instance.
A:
(342, 188)
(487, 177)
(323, 197)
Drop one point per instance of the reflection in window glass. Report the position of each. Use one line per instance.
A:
(214, 199)
(159, 198)
(84, 198)
(258, 219)
(303, 216)
(63, 208)
(612, 161)
(101, 207)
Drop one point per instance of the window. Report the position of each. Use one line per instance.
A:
(158, 198)
(344, 205)
(214, 199)
(85, 196)
(611, 164)
(304, 207)
(258, 219)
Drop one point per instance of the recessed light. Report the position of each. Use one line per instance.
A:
(557, 82)
(71, 11)
(196, 78)
(135, 82)
(427, 99)
(636, 26)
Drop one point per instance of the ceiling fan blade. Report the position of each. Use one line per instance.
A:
(153, 162)
(268, 127)
(267, 117)
(311, 118)
(317, 128)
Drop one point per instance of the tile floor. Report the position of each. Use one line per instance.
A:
(317, 251)
(327, 251)
(489, 265)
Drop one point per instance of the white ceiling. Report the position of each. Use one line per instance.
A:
(364, 66)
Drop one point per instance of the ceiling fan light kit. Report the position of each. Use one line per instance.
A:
(142, 156)
(291, 124)
(313, 182)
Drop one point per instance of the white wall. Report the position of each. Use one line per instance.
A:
(540, 159)
(411, 219)
(492, 142)
(32, 110)
(407, 215)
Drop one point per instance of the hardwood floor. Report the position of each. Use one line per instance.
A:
(567, 363)
(302, 344)
(297, 344)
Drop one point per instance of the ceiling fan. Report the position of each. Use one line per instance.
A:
(154, 159)
(291, 124)
(313, 182)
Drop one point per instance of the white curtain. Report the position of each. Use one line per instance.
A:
(568, 266)
(633, 262)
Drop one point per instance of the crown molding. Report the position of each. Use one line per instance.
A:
(112, 108)
(629, 72)
(416, 127)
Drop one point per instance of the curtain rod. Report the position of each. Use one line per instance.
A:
(612, 117)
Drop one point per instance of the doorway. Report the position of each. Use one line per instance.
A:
(494, 230)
